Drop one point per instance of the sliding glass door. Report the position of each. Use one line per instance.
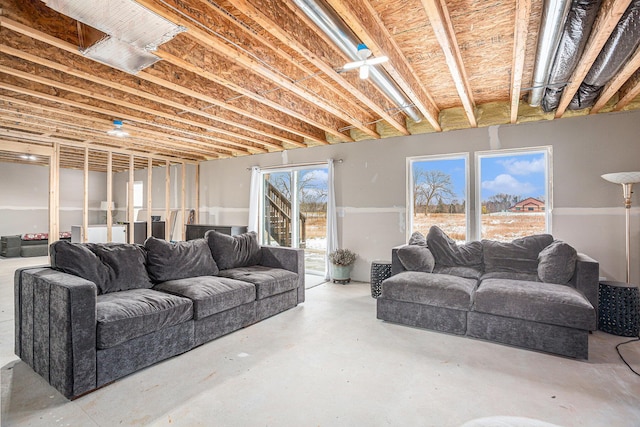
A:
(294, 212)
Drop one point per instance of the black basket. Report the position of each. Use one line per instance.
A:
(380, 270)
(619, 309)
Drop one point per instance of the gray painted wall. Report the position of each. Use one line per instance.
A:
(24, 198)
(371, 184)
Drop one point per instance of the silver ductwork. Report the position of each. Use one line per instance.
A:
(554, 15)
(335, 28)
(132, 31)
(620, 46)
(577, 30)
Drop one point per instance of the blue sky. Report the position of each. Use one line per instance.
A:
(516, 174)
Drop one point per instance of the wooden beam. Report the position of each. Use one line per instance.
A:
(445, 33)
(26, 148)
(197, 195)
(226, 50)
(610, 13)
(167, 201)
(113, 113)
(243, 148)
(109, 196)
(243, 114)
(149, 196)
(54, 194)
(91, 79)
(611, 88)
(85, 197)
(520, 33)
(131, 221)
(629, 91)
(365, 22)
(271, 16)
(183, 201)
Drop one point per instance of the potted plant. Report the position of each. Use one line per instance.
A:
(341, 262)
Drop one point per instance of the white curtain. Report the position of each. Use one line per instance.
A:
(332, 217)
(254, 200)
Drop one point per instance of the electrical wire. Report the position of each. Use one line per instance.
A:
(621, 357)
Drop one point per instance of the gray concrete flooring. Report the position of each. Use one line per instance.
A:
(330, 362)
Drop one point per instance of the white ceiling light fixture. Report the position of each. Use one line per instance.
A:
(133, 31)
(117, 130)
(364, 53)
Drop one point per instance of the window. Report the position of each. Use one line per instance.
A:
(514, 193)
(138, 197)
(437, 191)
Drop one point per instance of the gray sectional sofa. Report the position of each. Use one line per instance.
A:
(535, 292)
(103, 311)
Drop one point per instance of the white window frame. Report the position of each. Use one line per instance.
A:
(547, 150)
(409, 188)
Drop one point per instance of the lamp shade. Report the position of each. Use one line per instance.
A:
(105, 206)
(622, 177)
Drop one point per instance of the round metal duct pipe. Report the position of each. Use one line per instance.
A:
(333, 26)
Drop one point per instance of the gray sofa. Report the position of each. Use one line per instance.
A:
(536, 292)
(103, 311)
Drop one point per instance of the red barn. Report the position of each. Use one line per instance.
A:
(529, 204)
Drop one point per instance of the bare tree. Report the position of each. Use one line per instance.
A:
(429, 185)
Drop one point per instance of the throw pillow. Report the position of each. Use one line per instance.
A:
(416, 258)
(111, 266)
(179, 260)
(126, 265)
(557, 263)
(234, 251)
(417, 238)
(519, 256)
(449, 254)
(77, 259)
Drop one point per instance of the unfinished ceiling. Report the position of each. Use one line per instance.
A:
(254, 76)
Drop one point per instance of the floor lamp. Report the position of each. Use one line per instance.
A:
(627, 179)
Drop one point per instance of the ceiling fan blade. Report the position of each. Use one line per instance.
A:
(364, 72)
(378, 60)
(352, 65)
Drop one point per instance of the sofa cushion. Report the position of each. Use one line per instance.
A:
(531, 277)
(267, 280)
(210, 295)
(113, 267)
(536, 301)
(557, 263)
(416, 258)
(449, 254)
(125, 315)
(466, 272)
(417, 238)
(234, 251)
(179, 260)
(519, 256)
(439, 290)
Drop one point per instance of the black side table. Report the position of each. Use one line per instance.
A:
(619, 308)
(380, 270)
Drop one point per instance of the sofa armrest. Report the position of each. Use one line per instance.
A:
(586, 278)
(55, 327)
(291, 259)
(396, 265)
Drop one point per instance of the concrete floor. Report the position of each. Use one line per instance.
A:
(330, 362)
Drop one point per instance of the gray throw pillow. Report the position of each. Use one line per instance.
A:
(77, 259)
(416, 258)
(112, 267)
(519, 256)
(557, 263)
(234, 251)
(179, 260)
(417, 238)
(448, 253)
